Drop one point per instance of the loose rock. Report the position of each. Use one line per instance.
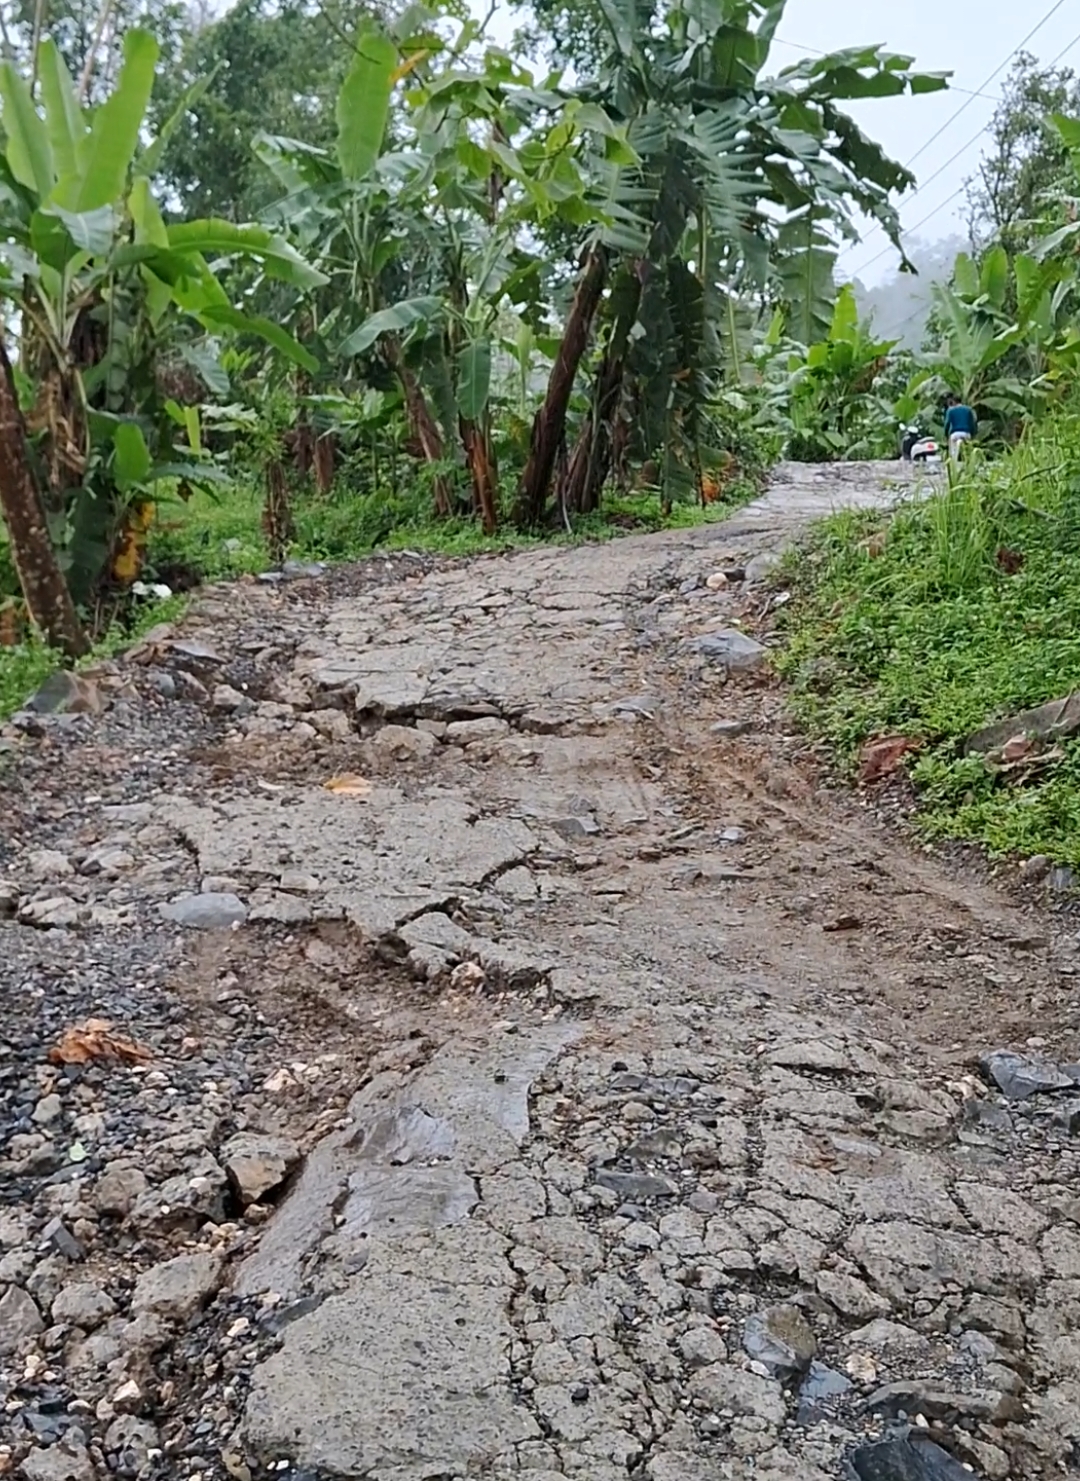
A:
(210, 912)
(257, 1163)
(179, 1287)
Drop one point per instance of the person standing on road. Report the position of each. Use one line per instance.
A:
(960, 425)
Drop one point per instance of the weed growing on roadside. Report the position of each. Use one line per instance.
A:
(957, 609)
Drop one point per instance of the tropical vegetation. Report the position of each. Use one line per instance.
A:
(512, 296)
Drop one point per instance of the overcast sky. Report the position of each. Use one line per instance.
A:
(970, 38)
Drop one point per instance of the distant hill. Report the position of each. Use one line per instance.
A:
(900, 305)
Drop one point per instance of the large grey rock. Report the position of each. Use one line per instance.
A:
(83, 1304)
(211, 912)
(60, 1462)
(19, 1319)
(905, 1458)
(257, 1163)
(177, 1288)
(48, 863)
(65, 693)
(1053, 721)
(1021, 1077)
(54, 912)
(732, 648)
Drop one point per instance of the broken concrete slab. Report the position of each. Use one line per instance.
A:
(401, 1376)
(1051, 721)
(410, 1159)
(379, 866)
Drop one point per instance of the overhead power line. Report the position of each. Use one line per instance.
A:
(948, 123)
(948, 163)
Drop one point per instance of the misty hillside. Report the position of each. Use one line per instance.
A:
(899, 305)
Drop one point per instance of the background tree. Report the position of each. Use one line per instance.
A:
(1025, 161)
(268, 67)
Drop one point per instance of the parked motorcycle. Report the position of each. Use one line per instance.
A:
(916, 447)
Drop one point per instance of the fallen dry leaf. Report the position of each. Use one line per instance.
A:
(348, 784)
(95, 1039)
(882, 755)
(1017, 748)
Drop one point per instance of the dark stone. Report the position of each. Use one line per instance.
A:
(819, 1386)
(1020, 1077)
(987, 1115)
(580, 1393)
(57, 1234)
(905, 1459)
(64, 693)
(635, 1185)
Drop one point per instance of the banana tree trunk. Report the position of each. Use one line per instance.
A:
(44, 589)
(476, 441)
(549, 424)
(594, 451)
(324, 458)
(422, 425)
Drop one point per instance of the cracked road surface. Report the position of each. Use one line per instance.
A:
(662, 1153)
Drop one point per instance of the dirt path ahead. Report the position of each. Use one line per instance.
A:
(576, 1088)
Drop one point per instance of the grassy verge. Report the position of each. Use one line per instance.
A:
(216, 540)
(955, 611)
(204, 540)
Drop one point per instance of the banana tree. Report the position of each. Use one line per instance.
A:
(119, 314)
(428, 243)
(1005, 334)
(732, 178)
(828, 395)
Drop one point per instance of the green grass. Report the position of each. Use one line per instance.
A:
(223, 538)
(930, 637)
(213, 540)
(23, 669)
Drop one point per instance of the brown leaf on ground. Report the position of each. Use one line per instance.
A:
(882, 755)
(1009, 561)
(95, 1039)
(348, 784)
(1017, 748)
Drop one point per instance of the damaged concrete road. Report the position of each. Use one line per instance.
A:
(653, 1099)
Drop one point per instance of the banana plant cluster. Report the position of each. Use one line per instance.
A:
(740, 184)
(118, 317)
(829, 398)
(698, 189)
(1006, 329)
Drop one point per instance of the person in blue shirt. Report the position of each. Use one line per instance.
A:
(960, 425)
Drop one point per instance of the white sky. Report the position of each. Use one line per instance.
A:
(970, 38)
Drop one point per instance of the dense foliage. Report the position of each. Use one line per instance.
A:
(372, 265)
(327, 244)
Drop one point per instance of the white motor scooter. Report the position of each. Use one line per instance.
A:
(916, 448)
